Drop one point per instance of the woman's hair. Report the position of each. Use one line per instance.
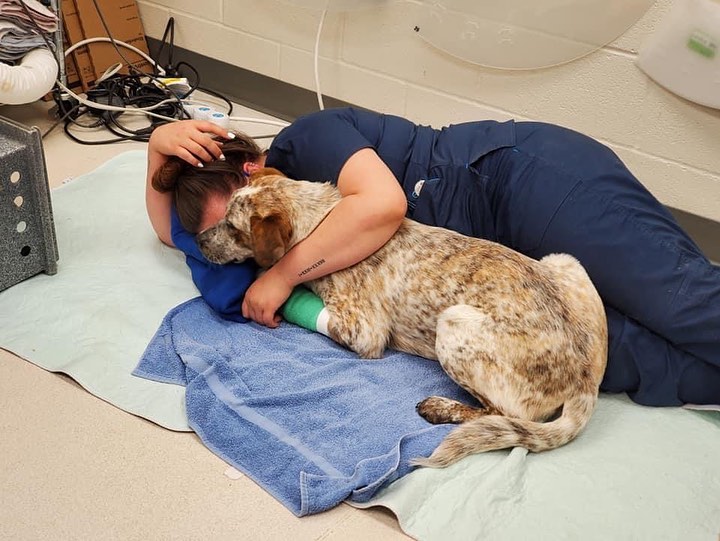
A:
(192, 186)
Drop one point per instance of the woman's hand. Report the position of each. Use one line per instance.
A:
(189, 140)
(264, 298)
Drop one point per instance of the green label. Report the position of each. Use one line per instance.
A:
(703, 44)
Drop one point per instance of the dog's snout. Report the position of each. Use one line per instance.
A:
(221, 244)
(204, 240)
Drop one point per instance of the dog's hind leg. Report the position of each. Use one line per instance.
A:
(472, 350)
(438, 409)
(455, 327)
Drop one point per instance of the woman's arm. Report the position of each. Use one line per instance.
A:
(189, 140)
(157, 204)
(371, 210)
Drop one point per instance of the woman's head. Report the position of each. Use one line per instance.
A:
(201, 192)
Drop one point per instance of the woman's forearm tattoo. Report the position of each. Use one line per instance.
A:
(312, 267)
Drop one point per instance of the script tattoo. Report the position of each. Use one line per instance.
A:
(312, 267)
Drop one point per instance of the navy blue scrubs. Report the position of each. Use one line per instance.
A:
(541, 189)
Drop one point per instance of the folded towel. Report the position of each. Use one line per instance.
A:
(306, 419)
(19, 30)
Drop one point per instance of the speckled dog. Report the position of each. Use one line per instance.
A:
(527, 338)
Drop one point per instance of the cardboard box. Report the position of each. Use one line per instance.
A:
(123, 20)
(71, 74)
(74, 34)
(82, 21)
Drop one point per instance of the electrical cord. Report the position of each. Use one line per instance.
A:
(131, 68)
(144, 91)
(98, 142)
(135, 96)
(169, 32)
(59, 84)
(195, 84)
(39, 31)
(125, 94)
(173, 70)
(316, 56)
(149, 110)
(168, 39)
(105, 39)
(59, 121)
(129, 64)
(218, 95)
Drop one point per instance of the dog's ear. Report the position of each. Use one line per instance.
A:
(270, 237)
(264, 172)
(165, 177)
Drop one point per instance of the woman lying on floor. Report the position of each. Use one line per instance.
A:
(536, 188)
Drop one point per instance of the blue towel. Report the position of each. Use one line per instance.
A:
(306, 419)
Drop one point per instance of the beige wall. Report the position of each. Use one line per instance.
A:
(373, 59)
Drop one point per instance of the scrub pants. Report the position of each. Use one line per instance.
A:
(564, 192)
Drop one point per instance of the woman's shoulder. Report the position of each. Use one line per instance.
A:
(317, 145)
(331, 118)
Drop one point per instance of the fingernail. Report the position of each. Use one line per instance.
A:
(231, 135)
(200, 164)
(222, 157)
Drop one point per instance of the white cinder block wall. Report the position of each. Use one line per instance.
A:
(372, 58)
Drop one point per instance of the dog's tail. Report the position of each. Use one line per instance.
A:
(492, 432)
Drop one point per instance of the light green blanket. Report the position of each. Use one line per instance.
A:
(634, 473)
(115, 283)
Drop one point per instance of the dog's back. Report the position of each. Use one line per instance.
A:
(423, 270)
(526, 337)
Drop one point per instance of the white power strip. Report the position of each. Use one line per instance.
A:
(205, 112)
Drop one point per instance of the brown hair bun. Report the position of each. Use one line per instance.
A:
(166, 176)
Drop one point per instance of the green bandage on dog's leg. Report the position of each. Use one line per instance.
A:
(307, 310)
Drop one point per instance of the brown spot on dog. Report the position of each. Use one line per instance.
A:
(264, 172)
(270, 238)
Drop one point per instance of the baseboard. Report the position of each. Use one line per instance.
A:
(287, 101)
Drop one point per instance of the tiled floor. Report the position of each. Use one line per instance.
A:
(75, 467)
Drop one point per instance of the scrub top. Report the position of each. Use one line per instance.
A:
(436, 168)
